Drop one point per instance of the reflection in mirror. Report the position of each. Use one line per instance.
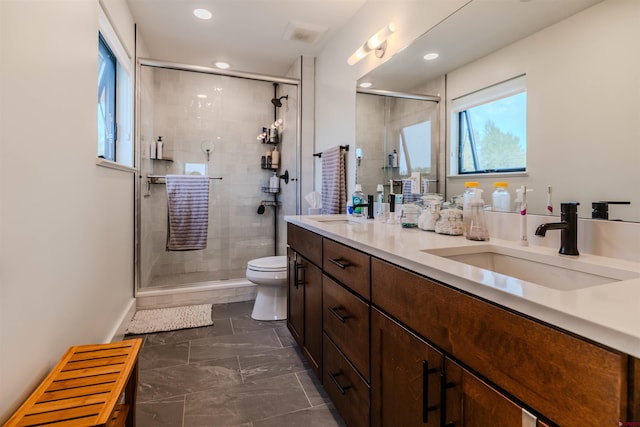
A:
(583, 73)
(397, 139)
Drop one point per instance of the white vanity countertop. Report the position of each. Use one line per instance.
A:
(608, 314)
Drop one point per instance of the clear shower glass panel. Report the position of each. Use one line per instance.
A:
(209, 124)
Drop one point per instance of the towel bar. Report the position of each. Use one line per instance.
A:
(154, 179)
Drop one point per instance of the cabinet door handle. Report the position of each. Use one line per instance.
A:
(444, 386)
(342, 389)
(299, 273)
(339, 262)
(425, 391)
(334, 311)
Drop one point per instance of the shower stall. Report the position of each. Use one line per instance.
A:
(210, 124)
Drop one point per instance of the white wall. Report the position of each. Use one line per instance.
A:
(66, 225)
(336, 80)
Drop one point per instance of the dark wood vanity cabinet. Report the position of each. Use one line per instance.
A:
(470, 402)
(406, 376)
(400, 349)
(346, 290)
(564, 378)
(304, 303)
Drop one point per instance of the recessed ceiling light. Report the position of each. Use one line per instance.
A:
(365, 84)
(202, 14)
(201, 96)
(430, 56)
(222, 65)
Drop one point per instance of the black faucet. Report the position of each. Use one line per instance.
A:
(569, 228)
(368, 205)
(600, 210)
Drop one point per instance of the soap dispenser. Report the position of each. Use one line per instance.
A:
(477, 224)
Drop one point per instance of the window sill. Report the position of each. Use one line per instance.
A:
(466, 177)
(113, 165)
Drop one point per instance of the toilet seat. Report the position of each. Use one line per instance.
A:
(268, 264)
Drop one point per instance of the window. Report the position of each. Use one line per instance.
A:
(115, 98)
(415, 148)
(106, 101)
(489, 130)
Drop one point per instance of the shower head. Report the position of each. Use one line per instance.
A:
(277, 101)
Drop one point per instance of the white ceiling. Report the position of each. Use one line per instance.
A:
(249, 34)
(474, 31)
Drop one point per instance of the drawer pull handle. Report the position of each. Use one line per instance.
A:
(342, 389)
(334, 311)
(425, 391)
(339, 263)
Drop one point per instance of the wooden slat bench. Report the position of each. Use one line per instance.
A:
(86, 389)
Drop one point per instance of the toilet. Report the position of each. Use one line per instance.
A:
(270, 274)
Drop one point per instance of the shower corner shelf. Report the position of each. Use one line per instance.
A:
(166, 159)
(270, 190)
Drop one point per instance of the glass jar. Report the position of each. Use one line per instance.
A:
(450, 222)
(410, 214)
(500, 198)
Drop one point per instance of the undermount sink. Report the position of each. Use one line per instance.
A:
(551, 271)
(339, 219)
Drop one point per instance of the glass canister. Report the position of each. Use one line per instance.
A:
(430, 211)
(450, 222)
(410, 214)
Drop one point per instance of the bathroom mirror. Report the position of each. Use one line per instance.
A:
(396, 136)
(582, 63)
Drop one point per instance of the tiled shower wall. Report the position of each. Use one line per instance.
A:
(229, 118)
(378, 123)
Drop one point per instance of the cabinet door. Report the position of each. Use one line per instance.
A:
(310, 278)
(472, 403)
(406, 376)
(295, 300)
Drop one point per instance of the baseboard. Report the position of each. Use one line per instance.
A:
(118, 332)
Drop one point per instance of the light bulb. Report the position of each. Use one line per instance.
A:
(202, 13)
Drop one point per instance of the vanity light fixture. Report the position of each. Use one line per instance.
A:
(222, 65)
(377, 43)
(430, 56)
(202, 13)
(365, 85)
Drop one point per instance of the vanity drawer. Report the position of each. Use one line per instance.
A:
(306, 243)
(346, 322)
(569, 380)
(347, 390)
(347, 265)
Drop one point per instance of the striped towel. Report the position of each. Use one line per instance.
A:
(407, 195)
(334, 182)
(188, 208)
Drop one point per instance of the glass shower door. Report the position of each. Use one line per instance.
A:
(208, 124)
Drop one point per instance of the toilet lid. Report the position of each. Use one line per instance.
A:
(270, 263)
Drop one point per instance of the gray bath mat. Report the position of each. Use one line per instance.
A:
(170, 319)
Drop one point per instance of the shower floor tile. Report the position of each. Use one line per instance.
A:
(238, 372)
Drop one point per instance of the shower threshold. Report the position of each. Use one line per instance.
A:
(209, 292)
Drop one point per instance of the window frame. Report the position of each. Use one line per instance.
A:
(123, 153)
(492, 93)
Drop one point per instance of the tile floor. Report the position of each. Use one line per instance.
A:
(238, 372)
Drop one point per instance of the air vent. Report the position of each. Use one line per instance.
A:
(302, 32)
